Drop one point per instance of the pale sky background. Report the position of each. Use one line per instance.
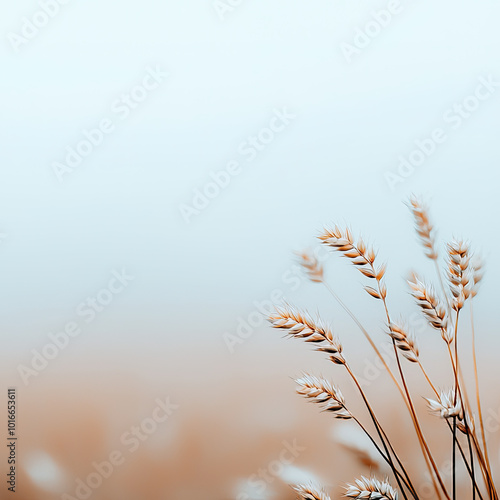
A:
(120, 207)
(193, 283)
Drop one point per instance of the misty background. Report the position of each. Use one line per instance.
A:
(196, 279)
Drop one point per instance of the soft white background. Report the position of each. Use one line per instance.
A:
(120, 208)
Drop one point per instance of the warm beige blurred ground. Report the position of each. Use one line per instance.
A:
(234, 415)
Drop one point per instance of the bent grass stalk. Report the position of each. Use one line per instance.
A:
(315, 272)
(364, 258)
(463, 278)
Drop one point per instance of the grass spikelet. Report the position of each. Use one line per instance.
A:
(423, 227)
(361, 256)
(404, 342)
(300, 325)
(445, 407)
(429, 304)
(323, 393)
(311, 266)
(371, 489)
(477, 275)
(458, 275)
(469, 452)
(310, 492)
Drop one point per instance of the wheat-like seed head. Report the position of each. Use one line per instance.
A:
(371, 489)
(429, 304)
(445, 406)
(324, 393)
(359, 255)
(404, 342)
(310, 492)
(311, 266)
(477, 275)
(458, 272)
(300, 325)
(463, 278)
(423, 226)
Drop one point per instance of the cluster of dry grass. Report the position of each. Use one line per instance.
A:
(461, 417)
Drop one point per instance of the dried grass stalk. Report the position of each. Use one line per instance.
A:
(464, 275)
